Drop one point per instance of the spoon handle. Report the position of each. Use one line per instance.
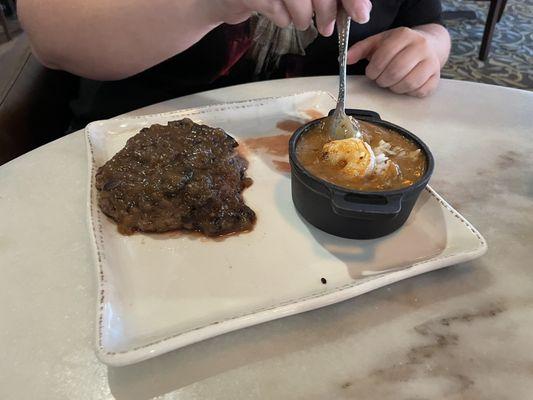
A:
(343, 29)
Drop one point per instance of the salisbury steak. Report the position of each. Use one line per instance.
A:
(179, 176)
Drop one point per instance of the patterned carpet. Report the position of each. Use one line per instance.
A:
(510, 62)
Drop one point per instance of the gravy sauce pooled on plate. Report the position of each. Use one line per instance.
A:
(382, 160)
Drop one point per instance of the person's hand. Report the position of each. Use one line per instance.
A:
(407, 61)
(284, 12)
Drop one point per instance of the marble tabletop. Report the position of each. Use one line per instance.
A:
(464, 332)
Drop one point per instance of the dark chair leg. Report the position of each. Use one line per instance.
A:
(502, 9)
(4, 23)
(494, 9)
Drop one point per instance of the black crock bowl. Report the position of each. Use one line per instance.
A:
(350, 213)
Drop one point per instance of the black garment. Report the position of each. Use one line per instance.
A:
(205, 65)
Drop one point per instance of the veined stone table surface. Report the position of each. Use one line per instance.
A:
(464, 332)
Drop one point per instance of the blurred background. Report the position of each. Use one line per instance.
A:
(492, 43)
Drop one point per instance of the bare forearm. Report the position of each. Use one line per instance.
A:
(439, 38)
(104, 39)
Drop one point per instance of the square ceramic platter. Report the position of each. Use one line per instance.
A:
(158, 293)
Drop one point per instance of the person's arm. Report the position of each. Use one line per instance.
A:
(113, 39)
(103, 39)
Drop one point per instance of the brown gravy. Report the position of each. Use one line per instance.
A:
(276, 145)
(274, 148)
(313, 114)
(411, 161)
(289, 125)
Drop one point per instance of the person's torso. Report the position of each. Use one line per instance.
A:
(218, 60)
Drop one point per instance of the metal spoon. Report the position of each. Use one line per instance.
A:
(340, 125)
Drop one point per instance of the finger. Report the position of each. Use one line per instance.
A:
(301, 12)
(364, 48)
(427, 88)
(399, 67)
(359, 10)
(414, 79)
(325, 14)
(274, 10)
(395, 42)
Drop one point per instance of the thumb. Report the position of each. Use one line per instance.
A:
(364, 48)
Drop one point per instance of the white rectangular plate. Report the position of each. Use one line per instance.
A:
(158, 293)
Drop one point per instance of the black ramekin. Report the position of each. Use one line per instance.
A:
(350, 213)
